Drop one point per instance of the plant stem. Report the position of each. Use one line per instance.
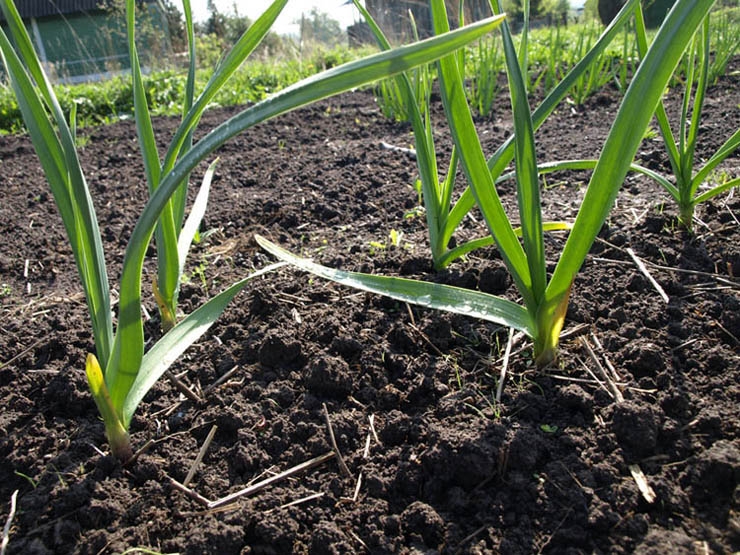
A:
(119, 441)
(118, 438)
(549, 322)
(686, 215)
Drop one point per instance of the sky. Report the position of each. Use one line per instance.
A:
(344, 14)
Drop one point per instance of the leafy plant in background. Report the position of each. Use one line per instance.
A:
(120, 373)
(626, 65)
(391, 97)
(724, 40)
(486, 61)
(544, 300)
(596, 75)
(685, 189)
(106, 101)
(442, 214)
(695, 74)
(554, 49)
(174, 235)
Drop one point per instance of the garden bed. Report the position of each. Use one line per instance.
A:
(435, 464)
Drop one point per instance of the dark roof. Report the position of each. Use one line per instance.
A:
(43, 8)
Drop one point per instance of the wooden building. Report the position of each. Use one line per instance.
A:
(82, 40)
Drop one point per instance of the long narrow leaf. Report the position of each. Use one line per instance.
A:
(702, 39)
(528, 186)
(498, 162)
(144, 127)
(684, 121)
(448, 186)
(28, 54)
(543, 169)
(198, 210)
(474, 164)
(434, 199)
(240, 51)
(727, 148)
(486, 241)
(718, 190)
(635, 112)
(58, 156)
(168, 278)
(41, 130)
(430, 295)
(522, 56)
(192, 61)
(661, 115)
(589, 164)
(179, 199)
(168, 264)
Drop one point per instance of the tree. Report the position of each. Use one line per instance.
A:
(515, 8)
(236, 24)
(608, 9)
(150, 19)
(319, 27)
(176, 26)
(227, 27)
(654, 10)
(222, 30)
(590, 9)
(555, 10)
(216, 22)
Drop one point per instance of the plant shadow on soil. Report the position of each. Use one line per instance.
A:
(441, 467)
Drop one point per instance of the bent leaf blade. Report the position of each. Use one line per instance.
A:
(192, 223)
(430, 295)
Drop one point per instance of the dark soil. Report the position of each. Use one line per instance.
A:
(436, 465)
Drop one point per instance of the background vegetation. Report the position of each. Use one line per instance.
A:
(280, 61)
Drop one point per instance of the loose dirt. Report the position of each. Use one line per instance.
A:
(435, 465)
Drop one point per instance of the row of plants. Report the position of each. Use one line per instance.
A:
(120, 372)
(544, 297)
(113, 99)
(552, 52)
(444, 216)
